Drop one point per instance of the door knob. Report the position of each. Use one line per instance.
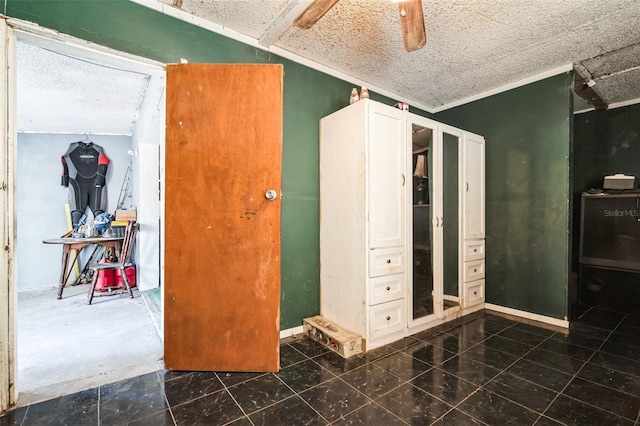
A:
(271, 194)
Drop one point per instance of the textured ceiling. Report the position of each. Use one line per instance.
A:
(473, 46)
(605, 71)
(57, 93)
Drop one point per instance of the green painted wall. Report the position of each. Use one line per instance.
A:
(605, 143)
(528, 138)
(527, 131)
(308, 96)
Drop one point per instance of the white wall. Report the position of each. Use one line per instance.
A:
(40, 199)
(146, 140)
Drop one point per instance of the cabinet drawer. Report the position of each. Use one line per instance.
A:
(386, 318)
(386, 261)
(474, 293)
(473, 270)
(386, 289)
(473, 249)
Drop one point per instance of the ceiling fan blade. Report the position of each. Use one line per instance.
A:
(314, 12)
(412, 21)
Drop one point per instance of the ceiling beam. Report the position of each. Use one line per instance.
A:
(584, 89)
(283, 21)
(583, 84)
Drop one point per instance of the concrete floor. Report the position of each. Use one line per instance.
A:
(66, 345)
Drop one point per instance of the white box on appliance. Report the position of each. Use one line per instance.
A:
(619, 181)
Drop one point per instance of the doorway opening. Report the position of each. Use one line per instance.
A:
(67, 94)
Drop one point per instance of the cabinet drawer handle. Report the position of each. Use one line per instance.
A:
(475, 270)
(388, 318)
(388, 288)
(475, 293)
(388, 260)
(475, 250)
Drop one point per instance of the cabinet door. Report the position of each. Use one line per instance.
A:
(387, 176)
(423, 250)
(473, 195)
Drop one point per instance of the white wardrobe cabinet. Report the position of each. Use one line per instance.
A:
(473, 212)
(399, 252)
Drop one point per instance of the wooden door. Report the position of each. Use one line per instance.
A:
(222, 235)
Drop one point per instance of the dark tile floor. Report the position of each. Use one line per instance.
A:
(489, 371)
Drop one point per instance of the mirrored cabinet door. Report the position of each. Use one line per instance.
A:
(450, 220)
(422, 284)
(435, 220)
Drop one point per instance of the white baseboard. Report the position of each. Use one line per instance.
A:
(291, 331)
(527, 315)
(488, 306)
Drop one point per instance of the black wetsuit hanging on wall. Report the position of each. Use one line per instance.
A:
(88, 163)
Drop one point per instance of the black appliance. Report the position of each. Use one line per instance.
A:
(610, 251)
(610, 230)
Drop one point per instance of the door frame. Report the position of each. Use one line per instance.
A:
(10, 29)
(8, 298)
